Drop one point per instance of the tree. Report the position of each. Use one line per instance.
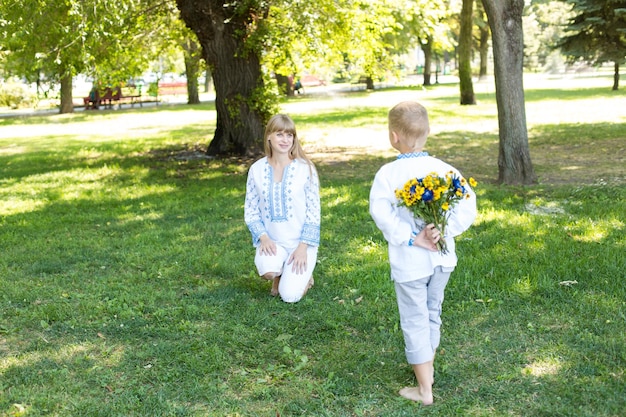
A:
(599, 33)
(54, 41)
(425, 23)
(192, 53)
(505, 21)
(304, 37)
(231, 34)
(370, 49)
(465, 53)
(238, 37)
(544, 21)
(483, 39)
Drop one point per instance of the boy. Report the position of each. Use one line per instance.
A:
(420, 273)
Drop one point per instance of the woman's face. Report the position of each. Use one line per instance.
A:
(281, 142)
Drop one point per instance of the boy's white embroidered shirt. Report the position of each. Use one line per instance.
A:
(288, 211)
(397, 223)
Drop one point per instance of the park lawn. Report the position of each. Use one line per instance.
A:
(127, 283)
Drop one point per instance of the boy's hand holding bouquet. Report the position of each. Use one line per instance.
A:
(431, 198)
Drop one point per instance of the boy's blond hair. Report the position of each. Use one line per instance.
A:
(409, 120)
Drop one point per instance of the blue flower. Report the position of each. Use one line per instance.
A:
(427, 195)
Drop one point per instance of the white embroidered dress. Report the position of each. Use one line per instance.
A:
(288, 211)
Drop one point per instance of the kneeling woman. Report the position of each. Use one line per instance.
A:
(282, 211)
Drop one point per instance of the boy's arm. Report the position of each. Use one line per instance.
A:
(385, 214)
(463, 215)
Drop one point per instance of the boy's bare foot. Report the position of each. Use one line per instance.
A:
(274, 290)
(414, 394)
(432, 365)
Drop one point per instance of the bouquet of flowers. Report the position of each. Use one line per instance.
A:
(431, 198)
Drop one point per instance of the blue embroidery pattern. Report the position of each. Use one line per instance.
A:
(412, 155)
(277, 197)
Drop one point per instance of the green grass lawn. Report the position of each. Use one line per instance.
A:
(127, 282)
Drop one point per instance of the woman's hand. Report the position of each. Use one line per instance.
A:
(299, 258)
(267, 246)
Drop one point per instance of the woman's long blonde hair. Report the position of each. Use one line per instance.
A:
(283, 123)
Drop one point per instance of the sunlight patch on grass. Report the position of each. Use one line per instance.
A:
(572, 168)
(593, 230)
(523, 286)
(12, 149)
(91, 153)
(544, 208)
(335, 198)
(14, 205)
(39, 190)
(504, 217)
(543, 367)
(65, 355)
(370, 247)
(87, 178)
(133, 217)
(591, 235)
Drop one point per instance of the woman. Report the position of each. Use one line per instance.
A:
(282, 211)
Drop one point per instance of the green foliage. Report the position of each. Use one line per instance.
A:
(14, 95)
(598, 31)
(544, 24)
(109, 40)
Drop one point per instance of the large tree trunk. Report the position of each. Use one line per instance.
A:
(67, 100)
(222, 29)
(192, 56)
(428, 59)
(465, 54)
(505, 21)
(616, 77)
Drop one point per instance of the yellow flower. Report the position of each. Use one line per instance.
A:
(473, 182)
(445, 206)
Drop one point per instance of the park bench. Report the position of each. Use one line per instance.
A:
(172, 88)
(130, 95)
(361, 82)
(118, 95)
(309, 80)
(95, 99)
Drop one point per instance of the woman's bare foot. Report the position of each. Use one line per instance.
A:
(274, 290)
(269, 275)
(415, 394)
